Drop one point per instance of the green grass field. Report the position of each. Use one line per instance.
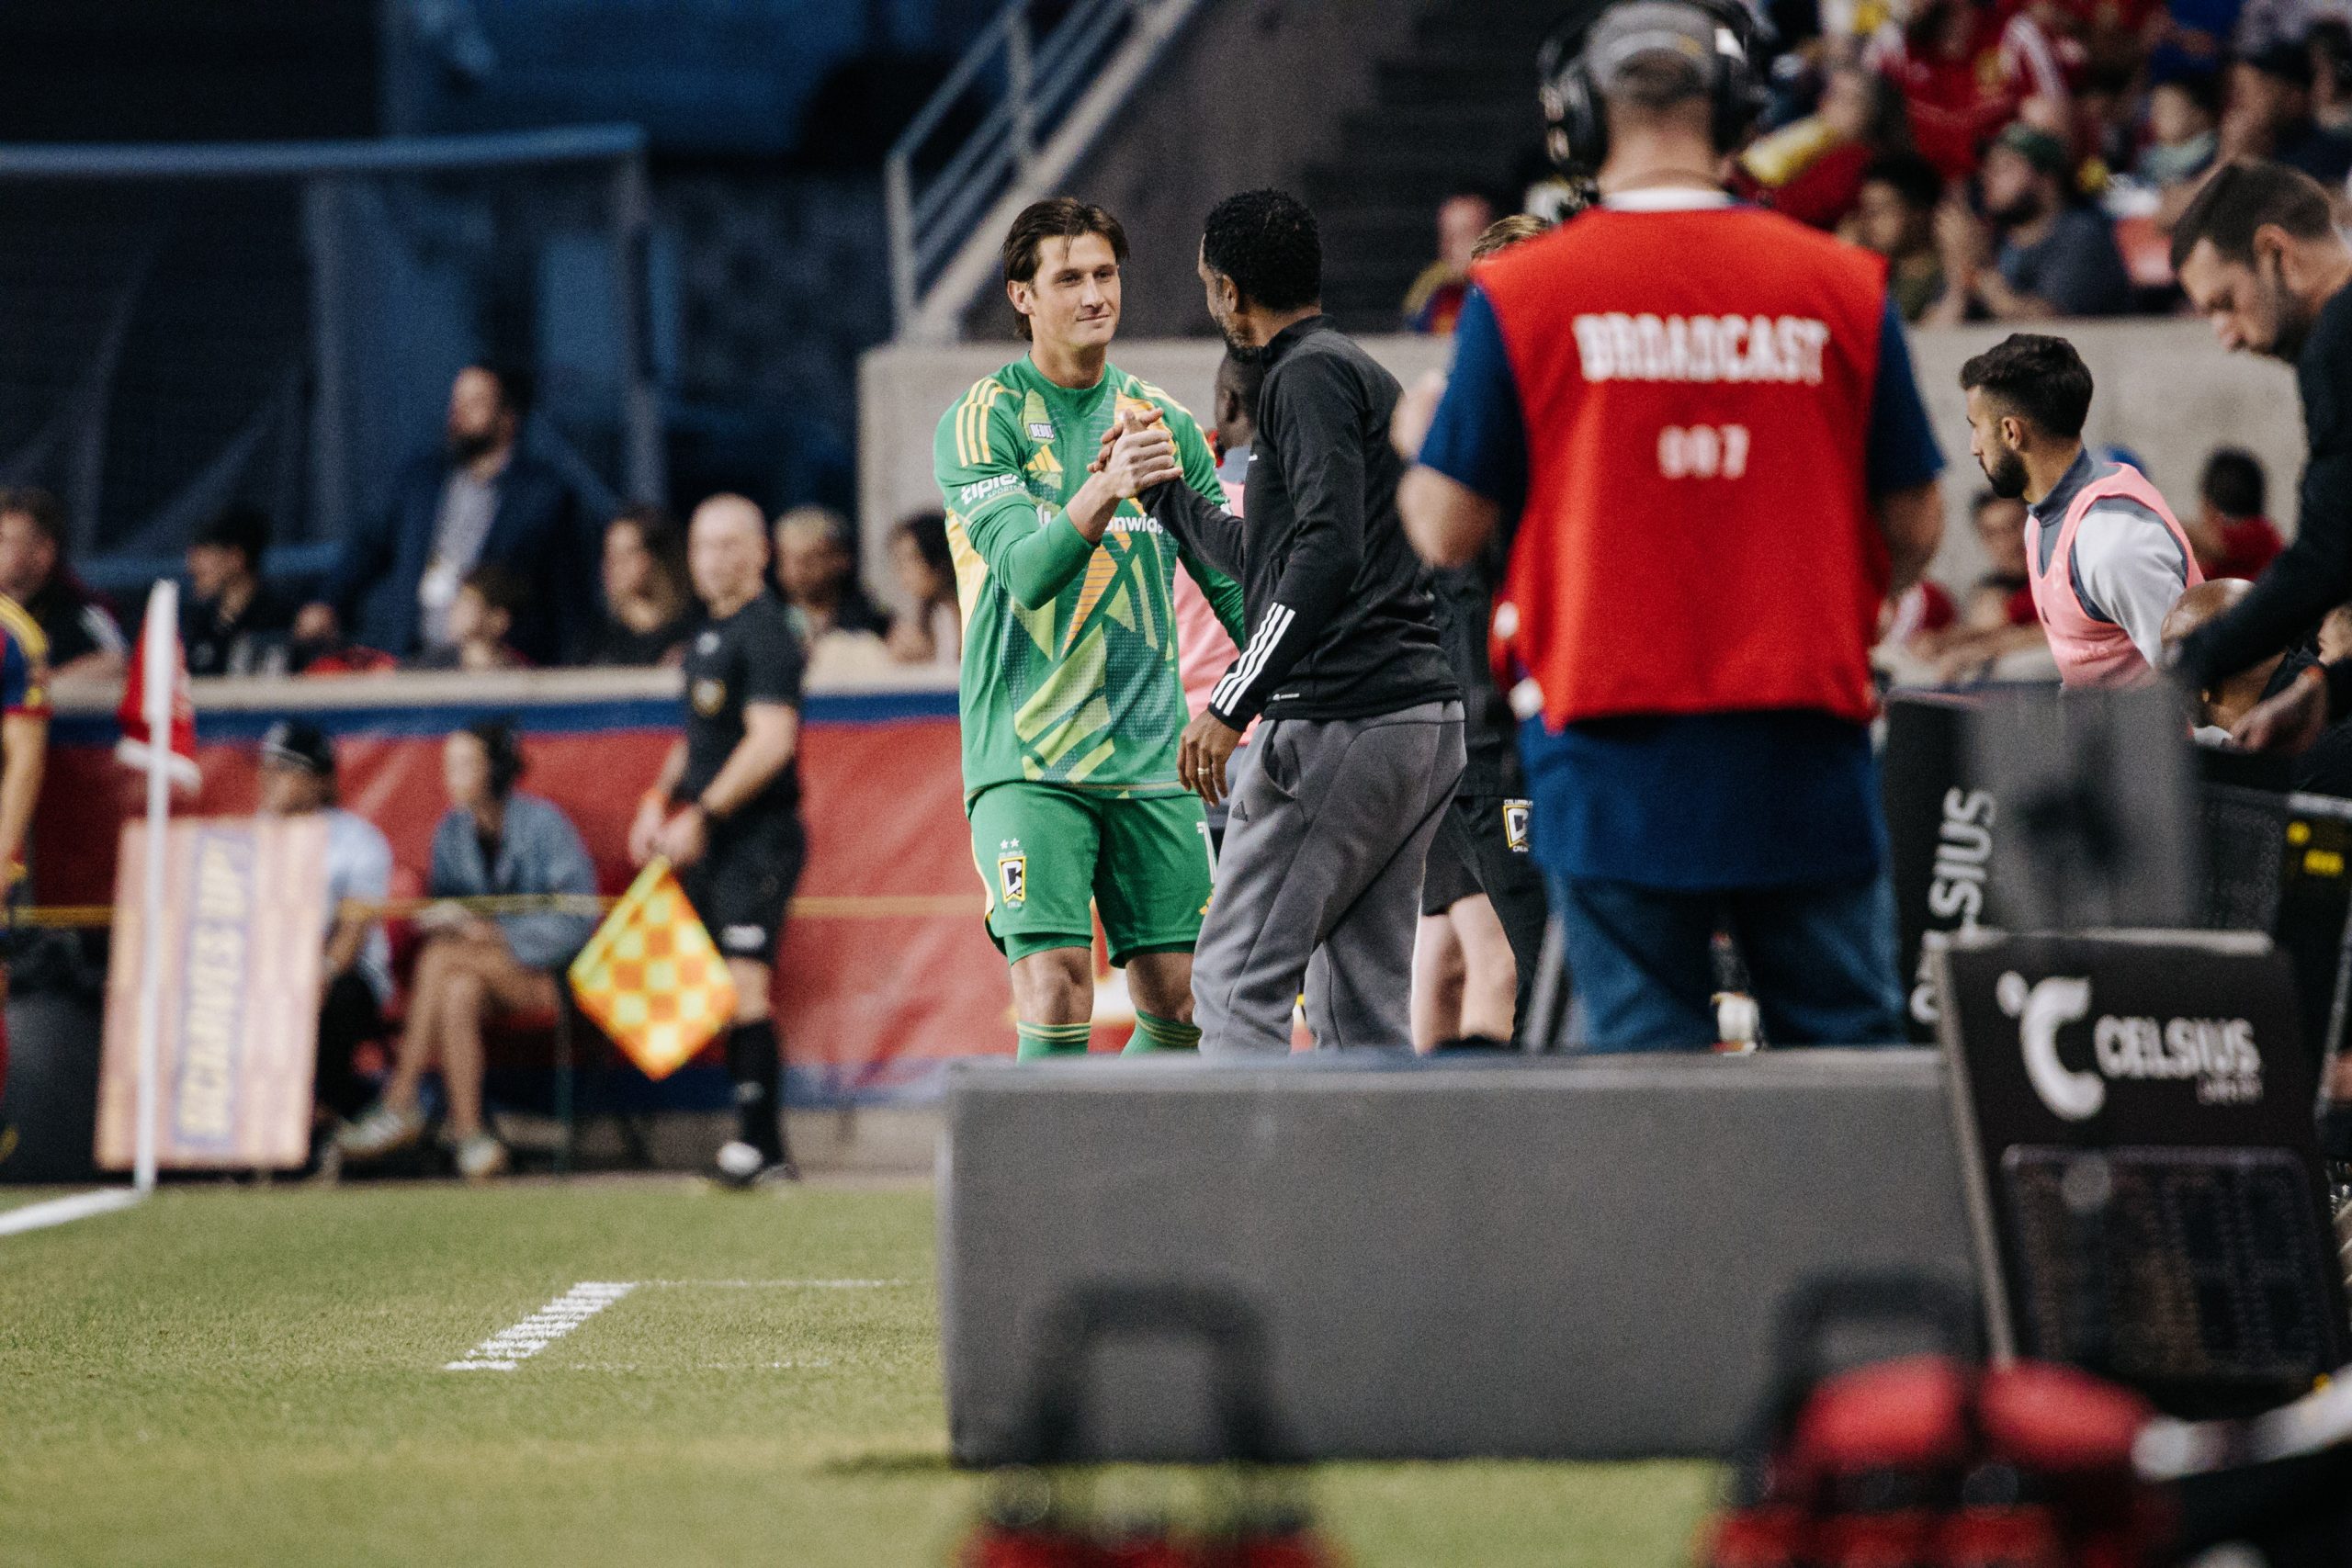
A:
(257, 1377)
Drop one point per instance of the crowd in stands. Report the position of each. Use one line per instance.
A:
(2014, 159)
(480, 559)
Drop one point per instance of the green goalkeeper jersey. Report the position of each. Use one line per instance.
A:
(1069, 648)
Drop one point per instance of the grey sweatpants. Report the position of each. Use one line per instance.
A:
(1319, 882)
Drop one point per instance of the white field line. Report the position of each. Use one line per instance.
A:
(509, 1347)
(65, 1211)
(785, 1284)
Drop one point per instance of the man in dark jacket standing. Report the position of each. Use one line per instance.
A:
(2259, 256)
(1320, 876)
(478, 502)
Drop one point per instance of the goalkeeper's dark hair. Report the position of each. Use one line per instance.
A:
(2041, 379)
(1056, 218)
(1267, 243)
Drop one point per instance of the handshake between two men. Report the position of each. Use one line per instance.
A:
(1138, 454)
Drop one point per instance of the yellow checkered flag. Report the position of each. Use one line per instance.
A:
(652, 979)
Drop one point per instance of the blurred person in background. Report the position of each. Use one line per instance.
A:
(2232, 535)
(2260, 258)
(298, 779)
(1895, 214)
(24, 755)
(2184, 119)
(931, 632)
(480, 501)
(2053, 256)
(2271, 116)
(1995, 617)
(84, 637)
(650, 609)
(493, 841)
(2330, 47)
(1749, 509)
(1482, 899)
(816, 569)
(1435, 299)
(490, 601)
(725, 808)
(232, 623)
(1204, 651)
(2105, 555)
(1944, 56)
(1812, 169)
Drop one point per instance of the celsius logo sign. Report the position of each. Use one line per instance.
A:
(2217, 1053)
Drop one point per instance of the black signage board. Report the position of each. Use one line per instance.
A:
(1940, 826)
(2273, 861)
(2135, 1114)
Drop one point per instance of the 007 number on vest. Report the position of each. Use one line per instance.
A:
(1702, 451)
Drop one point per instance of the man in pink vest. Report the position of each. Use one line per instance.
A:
(2104, 555)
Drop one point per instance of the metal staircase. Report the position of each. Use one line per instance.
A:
(1458, 105)
(1035, 89)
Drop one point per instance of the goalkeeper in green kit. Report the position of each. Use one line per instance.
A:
(1071, 707)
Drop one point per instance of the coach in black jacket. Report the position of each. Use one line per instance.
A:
(1320, 879)
(479, 502)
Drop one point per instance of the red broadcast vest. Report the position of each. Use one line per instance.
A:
(2091, 651)
(1697, 536)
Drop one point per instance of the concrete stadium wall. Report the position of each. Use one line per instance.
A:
(1254, 94)
(2166, 390)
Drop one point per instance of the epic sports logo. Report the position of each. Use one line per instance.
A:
(2219, 1054)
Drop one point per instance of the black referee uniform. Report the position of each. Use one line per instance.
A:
(743, 881)
(1482, 844)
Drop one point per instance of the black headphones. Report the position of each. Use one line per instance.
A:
(1575, 125)
(505, 748)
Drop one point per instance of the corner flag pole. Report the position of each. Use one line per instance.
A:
(156, 669)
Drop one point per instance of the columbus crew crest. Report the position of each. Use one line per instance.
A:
(1012, 878)
(1515, 825)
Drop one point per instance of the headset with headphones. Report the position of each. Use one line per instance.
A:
(1577, 124)
(504, 750)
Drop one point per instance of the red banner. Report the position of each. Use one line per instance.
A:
(885, 971)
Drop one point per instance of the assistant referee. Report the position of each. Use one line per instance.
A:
(1702, 421)
(726, 809)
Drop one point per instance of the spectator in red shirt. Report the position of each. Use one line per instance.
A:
(1947, 63)
(1812, 169)
(2230, 532)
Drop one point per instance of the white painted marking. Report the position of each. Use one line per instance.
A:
(785, 1284)
(65, 1211)
(510, 1347)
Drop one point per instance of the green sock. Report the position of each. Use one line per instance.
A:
(1053, 1039)
(1162, 1034)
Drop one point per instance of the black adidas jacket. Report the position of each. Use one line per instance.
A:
(1340, 620)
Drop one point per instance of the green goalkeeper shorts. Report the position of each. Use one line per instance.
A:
(1045, 852)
